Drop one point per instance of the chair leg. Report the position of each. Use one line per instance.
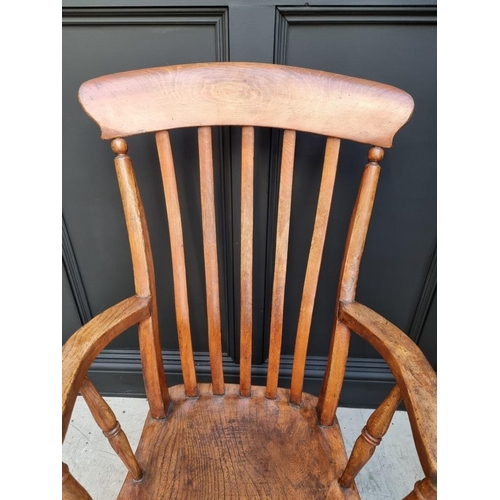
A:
(424, 490)
(71, 488)
(370, 437)
(110, 427)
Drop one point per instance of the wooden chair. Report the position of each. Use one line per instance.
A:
(219, 440)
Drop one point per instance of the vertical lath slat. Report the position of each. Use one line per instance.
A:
(313, 267)
(356, 237)
(247, 187)
(210, 255)
(144, 279)
(178, 262)
(278, 298)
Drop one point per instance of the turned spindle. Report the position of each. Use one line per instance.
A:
(356, 237)
(144, 280)
(424, 490)
(110, 427)
(375, 155)
(370, 437)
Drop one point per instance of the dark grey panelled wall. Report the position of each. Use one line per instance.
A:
(391, 44)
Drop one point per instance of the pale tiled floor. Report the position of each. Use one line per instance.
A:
(389, 475)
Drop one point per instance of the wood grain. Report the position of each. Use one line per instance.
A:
(413, 373)
(144, 278)
(210, 255)
(339, 346)
(313, 267)
(239, 448)
(243, 93)
(178, 262)
(85, 344)
(106, 420)
(371, 436)
(213, 443)
(282, 230)
(424, 490)
(71, 488)
(246, 272)
(356, 236)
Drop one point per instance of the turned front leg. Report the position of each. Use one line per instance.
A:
(370, 437)
(110, 427)
(424, 490)
(71, 488)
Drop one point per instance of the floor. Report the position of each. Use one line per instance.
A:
(389, 475)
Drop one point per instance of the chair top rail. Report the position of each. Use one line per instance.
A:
(246, 94)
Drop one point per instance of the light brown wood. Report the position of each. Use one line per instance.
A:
(371, 436)
(144, 277)
(71, 488)
(246, 279)
(106, 420)
(243, 93)
(213, 443)
(281, 255)
(413, 373)
(210, 255)
(239, 448)
(356, 236)
(424, 490)
(85, 344)
(313, 268)
(178, 262)
(339, 346)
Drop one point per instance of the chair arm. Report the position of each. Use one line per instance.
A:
(413, 373)
(85, 344)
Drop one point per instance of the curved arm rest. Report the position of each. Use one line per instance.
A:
(84, 345)
(413, 373)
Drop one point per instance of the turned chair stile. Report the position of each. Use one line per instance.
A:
(356, 237)
(144, 280)
(283, 443)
